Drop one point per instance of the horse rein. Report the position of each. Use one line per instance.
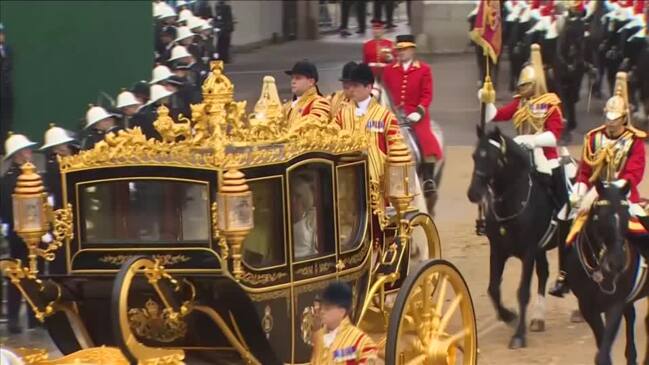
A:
(594, 272)
(502, 160)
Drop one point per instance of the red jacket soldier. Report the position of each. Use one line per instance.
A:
(409, 83)
(378, 52)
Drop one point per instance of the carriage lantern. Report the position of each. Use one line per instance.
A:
(401, 177)
(235, 214)
(30, 212)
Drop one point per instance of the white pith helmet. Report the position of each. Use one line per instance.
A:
(126, 98)
(55, 136)
(158, 92)
(161, 73)
(96, 114)
(179, 52)
(16, 142)
(183, 33)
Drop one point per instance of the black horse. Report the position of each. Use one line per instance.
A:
(518, 220)
(606, 271)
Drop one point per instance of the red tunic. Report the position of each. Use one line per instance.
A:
(371, 53)
(553, 123)
(412, 91)
(633, 168)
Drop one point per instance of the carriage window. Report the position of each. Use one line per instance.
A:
(144, 211)
(311, 197)
(351, 206)
(264, 246)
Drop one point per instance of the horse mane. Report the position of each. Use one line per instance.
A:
(512, 149)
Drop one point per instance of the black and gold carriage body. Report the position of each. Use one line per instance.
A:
(148, 267)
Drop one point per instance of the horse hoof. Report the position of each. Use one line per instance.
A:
(517, 343)
(507, 316)
(537, 325)
(576, 317)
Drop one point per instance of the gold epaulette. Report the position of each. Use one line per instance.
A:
(637, 132)
(595, 130)
(547, 98)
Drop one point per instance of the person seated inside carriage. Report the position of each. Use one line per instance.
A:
(335, 339)
(304, 217)
(614, 153)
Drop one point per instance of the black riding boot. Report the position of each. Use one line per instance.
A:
(561, 284)
(429, 186)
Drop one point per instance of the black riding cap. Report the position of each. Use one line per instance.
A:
(338, 294)
(406, 41)
(347, 71)
(304, 68)
(362, 74)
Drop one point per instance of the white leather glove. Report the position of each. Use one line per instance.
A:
(490, 109)
(46, 238)
(578, 191)
(376, 90)
(414, 117)
(588, 200)
(4, 228)
(545, 139)
(525, 140)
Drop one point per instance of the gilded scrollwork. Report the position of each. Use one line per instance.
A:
(262, 279)
(153, 323)
(166, 260)
(218, 125)
(62, 230)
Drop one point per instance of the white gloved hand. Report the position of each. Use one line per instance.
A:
(47, 238)
(376, 90)
(4, 228)
(525, 140)
(620, 183)
(414, 117)
(588, 200)
(50, 200)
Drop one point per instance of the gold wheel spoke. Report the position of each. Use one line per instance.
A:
(449, 313)
(417, 360)
(456, 338)
(442, 296)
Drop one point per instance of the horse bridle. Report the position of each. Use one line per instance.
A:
(502, 160)
(595, 272)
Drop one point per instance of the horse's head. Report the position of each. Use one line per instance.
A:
(496, 156)
(610, 218)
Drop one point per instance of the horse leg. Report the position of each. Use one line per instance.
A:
(594, 319)
(497, 265)
(537, 324)
(518, 340)
(630, 351)
(613, 319)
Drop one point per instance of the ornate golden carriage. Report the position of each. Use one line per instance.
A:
(215, 240)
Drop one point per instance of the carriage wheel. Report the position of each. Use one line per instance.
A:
(132, 349)
(431, 324)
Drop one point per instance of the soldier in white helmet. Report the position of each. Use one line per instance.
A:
(128, 105)
(58, 142)
(145, 117)
(18, 150)
(98, 123)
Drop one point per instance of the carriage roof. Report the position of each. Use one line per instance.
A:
(224, 136)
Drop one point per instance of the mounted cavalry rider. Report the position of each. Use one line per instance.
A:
(409, 83)
(613, 152)
(537, 117)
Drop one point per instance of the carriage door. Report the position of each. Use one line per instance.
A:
(354, 230)
(312, 242)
